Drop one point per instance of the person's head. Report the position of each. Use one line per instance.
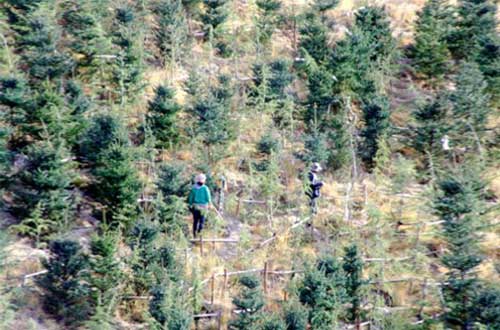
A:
(316, 167)
(201, 178)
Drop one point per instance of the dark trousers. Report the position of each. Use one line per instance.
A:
(198, 221)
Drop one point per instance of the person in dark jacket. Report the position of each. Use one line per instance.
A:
(199, 201)
(314, 189)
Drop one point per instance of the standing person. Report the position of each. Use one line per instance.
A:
(199, 201)
(313, 191)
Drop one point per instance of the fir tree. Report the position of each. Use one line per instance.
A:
(488, 59)
(86, 34)
(457, 204)
(117, 184)
(103, 131)
(376, 118)
(323, 291)
(353, 269)
(128, 66)
(162, 117)
(487, 307)
(172, 181)
(41, 52)
(470, 102)
(16, 97)
(276, 77)
(168, 308)
(324, 5)
(46, 179)
(65, 291)
(430, 51)
(295, 316)
(476, 20)
(5, 157)
(431, 125)
(213, 17)
(313, 39)
(273, 322)
(267, 19)
(374, 23)
(250, 301)
(105, 273)
(171, 33)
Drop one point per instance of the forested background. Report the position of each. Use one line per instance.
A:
(108, 109)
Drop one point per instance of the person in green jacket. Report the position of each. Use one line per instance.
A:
(199, 201)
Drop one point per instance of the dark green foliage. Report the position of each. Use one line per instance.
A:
(40, 47)
(274, 78)
(324, 5)
(374, 24)
(273, 322)
(213, 120)
(323, 285)
(431, 125)
(161, 118)
(267, 19)
(5, 157)
(117, 184)
(106, 275)
(470, 102)
(488, 59)
(269, 143)
(168, 309)
(128, 66)
(316, 147)
(46, 179)
(376, 118)
(15, 94)
(353, 269)
(352, 64)
(250, 301)
(86, 35)
(476, 20)
(487, 307)
(457, 204)
(296, 316)
(321, 98)
(213, 17)
(103, 131)
(171, 32)
(430, 51)
(172, 181)
(313, 38)
(16, 11)
(65, 290)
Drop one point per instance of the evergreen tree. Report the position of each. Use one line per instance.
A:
(16, 98)
(430, 51)
(374, 23)
(46, 179)
(295, 316)
(105, 273)
(431, 125)
(168, 307)
(128, 66)
(487, 307)
(5, 156)
(250, 301)
(457, 204)
(85, 32)
(162, 117)
(276, 77)
(323, 5)
(172, 181)
(353, 269)
(65, 290)
(171, 33)
(103, 131)
(267, 19)
(314, 39)
(470, 103)
(117, 184)
(214, 15)
(41, 52)
(488, 59)
(376, 119)
(323, 290)
(476, 20)
(273, 322)
(16, 12)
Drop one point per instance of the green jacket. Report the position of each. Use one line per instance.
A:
(199, 196)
